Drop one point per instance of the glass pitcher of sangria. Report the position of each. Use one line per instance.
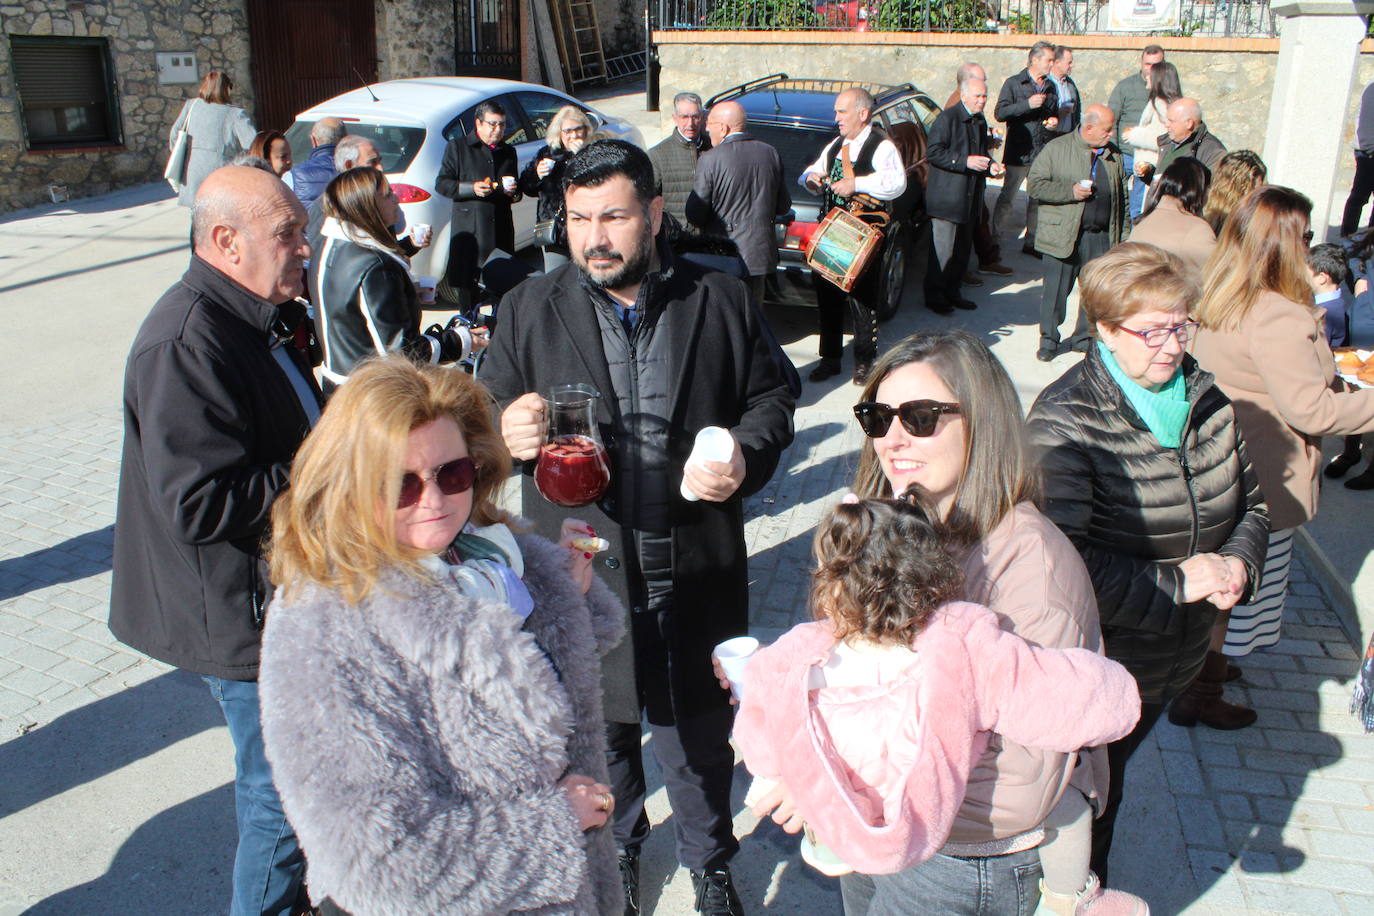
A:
(573, 469)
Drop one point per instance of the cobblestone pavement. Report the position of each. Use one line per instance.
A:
(114, 769)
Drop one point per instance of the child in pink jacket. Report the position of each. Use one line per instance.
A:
(874, 715)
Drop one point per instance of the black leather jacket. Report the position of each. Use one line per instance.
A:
(365, 304)
(1135, 509)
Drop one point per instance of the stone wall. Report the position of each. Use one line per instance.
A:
(1232, 78)
(413, 39)
(215, 30)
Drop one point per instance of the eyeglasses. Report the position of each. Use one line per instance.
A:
(572, 130)
(452, 478)
(1308, 236)
(1155, 337)
(492, 123)
(918, 417)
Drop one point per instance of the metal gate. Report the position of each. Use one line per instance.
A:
(486, 38)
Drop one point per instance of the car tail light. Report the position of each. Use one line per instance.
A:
(798, 236)
(409, 194)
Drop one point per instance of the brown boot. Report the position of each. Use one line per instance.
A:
(1202, 701)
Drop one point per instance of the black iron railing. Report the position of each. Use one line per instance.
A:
(1212, 18)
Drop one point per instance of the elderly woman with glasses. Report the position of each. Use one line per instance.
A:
(430, 680)
(569, 130)
(1145, 470)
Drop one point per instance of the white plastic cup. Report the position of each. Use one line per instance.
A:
(422, 234)
(1085, 183)
(713, 443)
(508, 182)
(733, 655)
(426, 287)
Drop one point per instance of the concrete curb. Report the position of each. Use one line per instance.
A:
(1334, 587)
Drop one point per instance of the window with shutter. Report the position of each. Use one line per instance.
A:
(66, 91)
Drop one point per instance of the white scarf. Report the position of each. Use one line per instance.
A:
(347, 232)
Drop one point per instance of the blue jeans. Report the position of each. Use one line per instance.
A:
(947, 886)
(1136, 197)
(269, 868)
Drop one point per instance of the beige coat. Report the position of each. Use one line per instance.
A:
(1277, 369)
(1179, 232)
(1035, 582)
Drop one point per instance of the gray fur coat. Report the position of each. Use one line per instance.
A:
(417, 738)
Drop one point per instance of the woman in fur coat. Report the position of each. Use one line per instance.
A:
(430, 681)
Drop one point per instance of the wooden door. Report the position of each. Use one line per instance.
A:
(306, 51)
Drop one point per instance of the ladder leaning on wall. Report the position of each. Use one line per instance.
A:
(579, 40)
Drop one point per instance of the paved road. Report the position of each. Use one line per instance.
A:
(115, 771)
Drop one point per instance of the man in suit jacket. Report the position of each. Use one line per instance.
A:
(738, 192)
(473, 177)
(1026, 101)
(672, 349)
(957, 151)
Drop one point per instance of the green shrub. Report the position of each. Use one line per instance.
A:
(763, 14)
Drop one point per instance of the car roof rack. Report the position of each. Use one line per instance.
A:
(742, 88)
(781, 81)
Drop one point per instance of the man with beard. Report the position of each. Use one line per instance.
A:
(672, 349)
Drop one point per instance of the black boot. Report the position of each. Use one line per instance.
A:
(715, 893)
(629, 880)
(1201, 702)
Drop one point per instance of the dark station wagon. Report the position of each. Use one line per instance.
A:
(797, 116)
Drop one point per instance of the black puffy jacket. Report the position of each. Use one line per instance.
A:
(1135, 509)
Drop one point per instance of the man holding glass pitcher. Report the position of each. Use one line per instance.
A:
(672, 350)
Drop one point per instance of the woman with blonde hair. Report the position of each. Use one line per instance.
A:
(1264, 340)
(217, 132)
(430, 680)
(1238, 173)
(570, 129)
(366, 300)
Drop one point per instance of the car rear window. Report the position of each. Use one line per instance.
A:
(396, 144)
(798, 147)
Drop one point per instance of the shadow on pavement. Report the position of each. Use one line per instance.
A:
(102, 737)
(173, 863)
(82, 271)
(85, 555)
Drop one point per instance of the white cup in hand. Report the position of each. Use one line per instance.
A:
(713, 443)
(543, 168)
(425, 287)
(508, 183)
(422, 234)
(734, 655)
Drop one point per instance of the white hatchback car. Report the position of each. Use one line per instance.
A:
(411, 122)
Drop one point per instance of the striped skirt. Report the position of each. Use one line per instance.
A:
(1256, 625)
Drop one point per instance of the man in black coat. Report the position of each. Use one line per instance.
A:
(957, 152)
(739, 190)
(1026, 101)
(479, 176)
(673, 350)
(216, 400)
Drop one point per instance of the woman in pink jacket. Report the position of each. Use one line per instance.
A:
(875, 714)
(962, 438)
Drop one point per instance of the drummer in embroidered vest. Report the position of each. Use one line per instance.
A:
(861, 160)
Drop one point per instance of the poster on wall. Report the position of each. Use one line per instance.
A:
(1143, 15)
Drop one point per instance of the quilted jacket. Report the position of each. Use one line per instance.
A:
(1136, 509)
